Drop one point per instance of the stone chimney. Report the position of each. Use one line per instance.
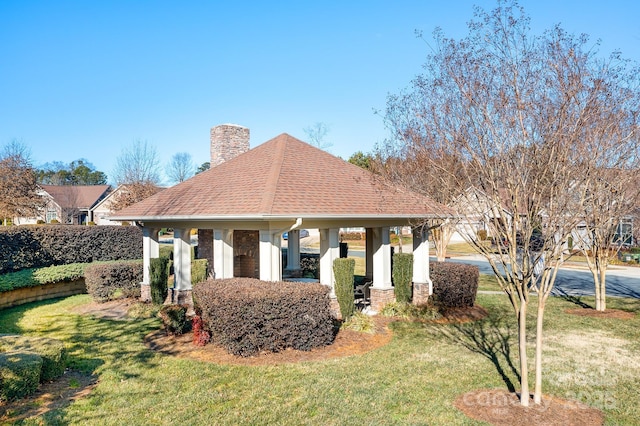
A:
(227, 142)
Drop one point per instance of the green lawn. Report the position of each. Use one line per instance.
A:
(412, 381)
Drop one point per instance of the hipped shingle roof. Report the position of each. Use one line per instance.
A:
(283, 177)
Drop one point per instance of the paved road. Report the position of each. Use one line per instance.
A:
(572, 280)
(622, 281)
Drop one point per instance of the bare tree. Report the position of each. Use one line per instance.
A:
(404, 163)
(137, 163)
(19, 195)
(132, 193)
(69, 200)
(181, 167)
(316, 135)
(608, 201)
(501, 114)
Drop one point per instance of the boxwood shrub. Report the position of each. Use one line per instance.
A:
(247, 316)
(19, 374)
(39, 246)
(52, 351)
(343, 270)
(26, 361)
(402, 276)
(159, 277)
(454, 284)
(108, 281)
(199, 270)
(174, 319)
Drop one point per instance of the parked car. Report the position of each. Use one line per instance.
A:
(303, 233)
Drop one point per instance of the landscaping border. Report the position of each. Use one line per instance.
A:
(24, 295)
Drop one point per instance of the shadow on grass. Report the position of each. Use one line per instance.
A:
(114, 350)
(11, 317)
(117, 345)
(576, 300)
(491, 338)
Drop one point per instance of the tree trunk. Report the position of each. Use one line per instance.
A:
(537, 393)
(522, 340)
(601, 303)
(596, 282)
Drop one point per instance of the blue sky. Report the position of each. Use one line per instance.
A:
(84, 79)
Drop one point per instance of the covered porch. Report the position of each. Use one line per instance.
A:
(242, 207)
(261, 254)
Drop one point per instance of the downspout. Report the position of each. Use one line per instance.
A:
(296, 225)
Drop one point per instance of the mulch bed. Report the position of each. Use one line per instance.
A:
(502, 408)
(346, 343)
(609, 313)
(57, 394)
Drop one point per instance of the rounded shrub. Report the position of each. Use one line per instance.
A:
(246, 316)
(455, 285)
(174, 319)
(106, 281)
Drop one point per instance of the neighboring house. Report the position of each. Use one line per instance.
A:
(68, 204)
(103, 208)
(468, 205)
(474, 201)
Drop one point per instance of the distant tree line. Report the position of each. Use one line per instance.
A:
(78, 172)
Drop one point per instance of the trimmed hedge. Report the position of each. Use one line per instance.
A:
(27, 362)
(199, 270)
(247, 316)
(454, 284)
(19, 374)
(37, 276)
(105, 280)
(159, 277)
(52, 351)
(402, 276)
(343, 270)
(39, 246)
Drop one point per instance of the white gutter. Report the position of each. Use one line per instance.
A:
(291, 228)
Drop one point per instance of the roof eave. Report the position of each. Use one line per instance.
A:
(269, 217)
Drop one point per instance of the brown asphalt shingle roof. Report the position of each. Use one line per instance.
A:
(77, 196)
(283, 177)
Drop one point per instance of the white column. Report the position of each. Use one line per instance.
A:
(150, 250)
(182, 259)
(222, 253)
(293, 250)
(329, 251)
(369, 254)
(381, 258)
(270, 257)
(421, 258)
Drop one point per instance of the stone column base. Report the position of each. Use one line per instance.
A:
(381, 297)
(420, 293)
(145, 292)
